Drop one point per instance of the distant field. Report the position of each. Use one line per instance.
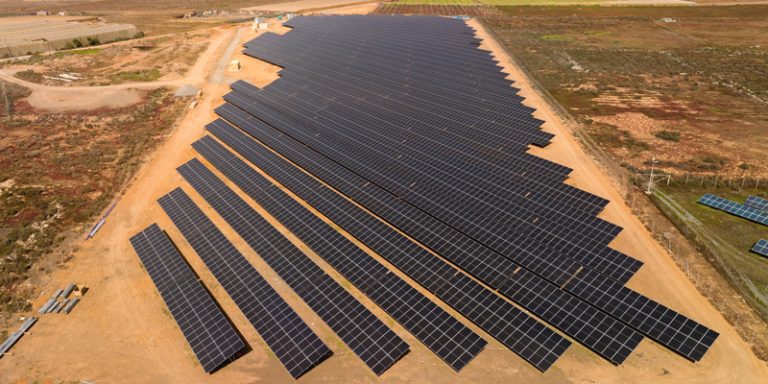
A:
(534, 2)
(150, 17)
(435, 2)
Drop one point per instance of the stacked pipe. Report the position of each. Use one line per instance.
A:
(16, 336)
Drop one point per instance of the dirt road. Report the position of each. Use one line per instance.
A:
(82, 98)
(122, 333)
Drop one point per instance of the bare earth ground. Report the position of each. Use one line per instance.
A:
(120, 332)
(61, 98)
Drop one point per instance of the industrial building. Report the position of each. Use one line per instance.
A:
(46, 35)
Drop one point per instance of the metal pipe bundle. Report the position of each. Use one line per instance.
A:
(71, 305)
(16, 336)
(68, 290)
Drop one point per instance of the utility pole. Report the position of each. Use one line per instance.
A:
(650, 182)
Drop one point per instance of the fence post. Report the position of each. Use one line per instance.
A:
(686, 179)
(710, 291)
(736, 325)
(697, 277)
(722, 306)
(686, 269)
(743, 179)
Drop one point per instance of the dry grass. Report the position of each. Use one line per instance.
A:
(637, 76)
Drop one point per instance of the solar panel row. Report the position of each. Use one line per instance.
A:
(761, 248)
(367, 336)
(210, 335)
(291, 340)
(756, 202)
(737, 209)
(500, 319)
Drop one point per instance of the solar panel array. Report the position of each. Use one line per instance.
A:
(761, 248)
(210, 335)
(736, 209)
(521, 333)
(406, 117)
(291, 340)
(756, 202)
(358, 328)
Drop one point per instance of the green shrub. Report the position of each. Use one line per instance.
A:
(669, 135)
(77, 43)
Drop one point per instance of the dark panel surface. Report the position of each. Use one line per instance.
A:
(209, 334)
(368, 337)
(296, 346)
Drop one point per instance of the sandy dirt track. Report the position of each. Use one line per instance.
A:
(120, 333)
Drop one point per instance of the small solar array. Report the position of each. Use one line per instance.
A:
(208, 332)
(756, 202)
(735, 209)
(761, 248)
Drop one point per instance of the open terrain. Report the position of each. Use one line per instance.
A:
(682, 89)
(122, 323)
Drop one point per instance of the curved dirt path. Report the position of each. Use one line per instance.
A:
(79, 98)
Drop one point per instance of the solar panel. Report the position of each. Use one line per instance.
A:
(453, 342)
(294, 344)
(761, 248)
(368, 337)
(756, 202)
(210, 335)
(736, 209)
